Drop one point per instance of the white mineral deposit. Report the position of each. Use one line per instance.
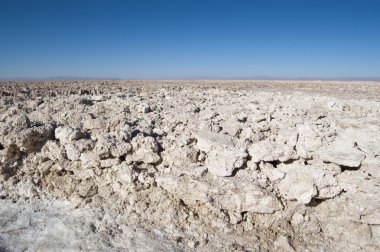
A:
(190, 165)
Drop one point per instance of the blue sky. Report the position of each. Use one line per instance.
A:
(163, 39)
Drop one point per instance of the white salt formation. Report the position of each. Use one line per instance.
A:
(209, 166)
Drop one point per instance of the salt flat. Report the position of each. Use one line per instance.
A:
(184, 165)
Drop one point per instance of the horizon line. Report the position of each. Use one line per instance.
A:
(72, 78)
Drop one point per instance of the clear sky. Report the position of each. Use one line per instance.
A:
(163, 39)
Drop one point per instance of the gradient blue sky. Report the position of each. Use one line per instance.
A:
(144, 39)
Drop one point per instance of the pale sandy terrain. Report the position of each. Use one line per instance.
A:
(190, 165)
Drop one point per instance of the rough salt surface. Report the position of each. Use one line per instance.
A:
(184, 166)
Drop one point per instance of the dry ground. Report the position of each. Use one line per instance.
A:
(190, 165)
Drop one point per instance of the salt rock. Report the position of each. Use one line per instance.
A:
(250, 199)
(272, 173)
(231, 197)
(120, 148)
(87, 189)
(72, 152)
(222, 161)
(84, 145)
(84, 174)
(29, 139)
(54, 151)
(223, 156)
(144, 149)
(304, 183)
(40, 117)
(350, 158)
(92, 124)
(262, 151)
(8, 156)
(293, 187)
(194, 170)
(125, 174)
(143, 108)
(353, 147)
(108, 144)
(179, 156)
(27, 189)
(103, 143)
(44, 168)
(282, 148)
(109, 162)
(206, 140)
(367, 139)
(357, 181)
(20, 122)
(308, 141)
(286, 141)
(361, 202)
(246, 134)
(89, 160)
(67, 134)
(232, 128)
(342, 152)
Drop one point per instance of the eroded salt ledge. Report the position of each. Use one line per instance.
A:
(183, 168)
